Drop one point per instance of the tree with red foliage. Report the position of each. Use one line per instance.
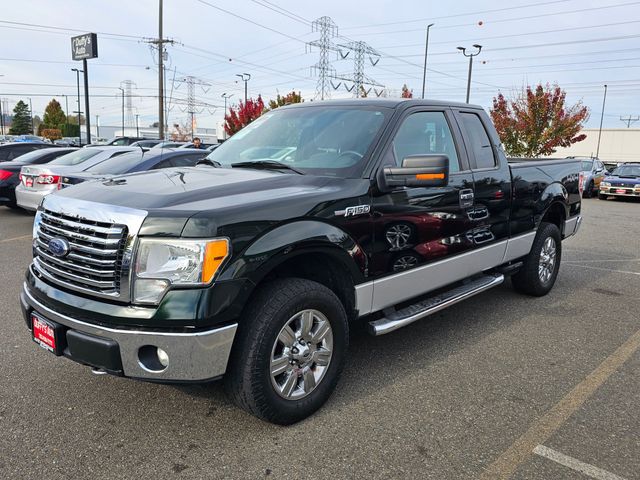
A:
(406, 93)
(243, 115)
(537, 121)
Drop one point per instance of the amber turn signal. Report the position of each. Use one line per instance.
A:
(214, 254)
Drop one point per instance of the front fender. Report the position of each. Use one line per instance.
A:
(294, 239)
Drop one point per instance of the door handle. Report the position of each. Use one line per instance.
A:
(466, 197)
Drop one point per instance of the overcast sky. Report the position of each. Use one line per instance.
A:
(579, 44)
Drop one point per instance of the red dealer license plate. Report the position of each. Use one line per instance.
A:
(44, 334)
(28, 182)
(621, 190)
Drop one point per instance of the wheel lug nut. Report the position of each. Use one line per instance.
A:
(295, 350)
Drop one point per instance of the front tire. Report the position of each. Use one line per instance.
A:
(540, 269)
(602, 197)
(588, 193)
(289, 351)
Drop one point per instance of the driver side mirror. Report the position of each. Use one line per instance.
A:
(416, 171)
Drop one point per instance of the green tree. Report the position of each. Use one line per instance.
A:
(54, 116)
(287, 99)
(21, 123)
(537, 121)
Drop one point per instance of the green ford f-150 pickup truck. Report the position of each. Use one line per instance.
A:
(254, 265)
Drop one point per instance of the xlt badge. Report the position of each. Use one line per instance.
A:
(353, 211)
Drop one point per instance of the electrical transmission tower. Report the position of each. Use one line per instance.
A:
(127, 85)
(358, 78)
(323, 69)
(629, 120)
(192, 104)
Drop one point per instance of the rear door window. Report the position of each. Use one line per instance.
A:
(478, 140)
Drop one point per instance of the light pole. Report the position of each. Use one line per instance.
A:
(426, 51)
(78, 112)
(97, 126)
(245, 78)
(33, 131)
(471, 55)
(66, 113)
(1, 115)
(122, 91)
(604, 99)
(225, 96)
(137, 126)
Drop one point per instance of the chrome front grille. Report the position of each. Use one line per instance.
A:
(94, 262)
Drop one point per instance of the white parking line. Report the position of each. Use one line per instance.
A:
(15, 238)
(605, 269)
(574, 464)
(600, 261)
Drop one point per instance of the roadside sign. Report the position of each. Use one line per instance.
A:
(84, 46)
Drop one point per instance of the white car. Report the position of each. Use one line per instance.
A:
(38, 181)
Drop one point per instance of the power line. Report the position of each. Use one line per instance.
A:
(421, 20)
(282, 11)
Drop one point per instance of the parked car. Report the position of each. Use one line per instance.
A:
(254, 270)
(11, 151)
(67, 141)
(29, 139)
(146, 143)
(213, 147)
(133, 162)
(203, 146)
(169, 144)
(6, 138)
(593, 171)
(39, 181)
(10, 171)
(624, 181)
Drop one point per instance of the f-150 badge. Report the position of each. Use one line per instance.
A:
(353, 211)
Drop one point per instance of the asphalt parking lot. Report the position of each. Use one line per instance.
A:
(501, 386)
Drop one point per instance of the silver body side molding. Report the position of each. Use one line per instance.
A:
(382, 293)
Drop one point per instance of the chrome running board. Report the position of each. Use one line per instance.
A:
(410, 314)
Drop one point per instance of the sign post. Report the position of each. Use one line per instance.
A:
(82, 47)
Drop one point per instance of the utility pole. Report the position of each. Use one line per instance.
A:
(97, 125)
(471, 55)
(33, 131)
(1, 118)
(426, 51)
(159, 44)
(245, 77)
(66, 112)
(629, 120)
(604, 99)
(78, 112)
(137, 126)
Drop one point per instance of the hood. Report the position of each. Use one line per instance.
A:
(617, 180)
(201, 199)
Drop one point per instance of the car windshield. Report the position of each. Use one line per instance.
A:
(627, 171)
(74, 158)
(319, 140)
(118, 164)
(586, 165)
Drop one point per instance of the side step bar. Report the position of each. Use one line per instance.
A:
(410, 314)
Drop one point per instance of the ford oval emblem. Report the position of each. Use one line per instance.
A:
(58, 246)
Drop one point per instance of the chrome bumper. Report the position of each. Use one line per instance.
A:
(192, 356)
(572, 225)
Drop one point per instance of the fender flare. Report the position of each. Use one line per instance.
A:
(554, 194)
(293, 239)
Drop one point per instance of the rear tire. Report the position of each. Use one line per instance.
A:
(540, 269)
(588, 192)
(280, 370)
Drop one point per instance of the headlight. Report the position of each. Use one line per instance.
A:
(605, 184)
(161, 263)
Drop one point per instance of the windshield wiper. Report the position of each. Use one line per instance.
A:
(267, 164)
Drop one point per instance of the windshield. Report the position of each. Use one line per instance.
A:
(323, 141)
(586, 165)
(627, 171)
(118, 164)
(74, 158)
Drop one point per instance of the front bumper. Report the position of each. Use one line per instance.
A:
(616, 191)
(193, 356)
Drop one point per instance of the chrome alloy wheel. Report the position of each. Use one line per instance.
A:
(547, 261)
(301, 354)
(398, 235)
